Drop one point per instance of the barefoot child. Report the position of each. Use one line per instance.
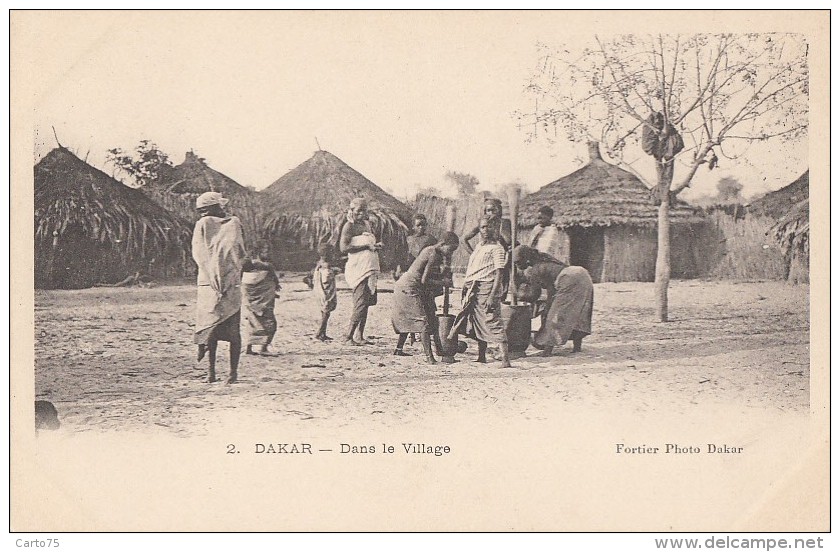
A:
(260, 287)
(323, 283)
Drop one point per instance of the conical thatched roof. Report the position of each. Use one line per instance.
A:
(194, 176)
(779, 203)
(325, 181)
(311, 202)
(600, 194)
(179, 186)
(102, 212)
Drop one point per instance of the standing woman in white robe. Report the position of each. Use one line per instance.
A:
(218, 247)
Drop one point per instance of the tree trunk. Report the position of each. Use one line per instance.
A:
(665, 174)
(663, 261)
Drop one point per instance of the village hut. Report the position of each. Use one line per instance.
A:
(792, 233)
(789, 207)
(779, 203)
(609, 223)
(178, 187)
(90, 228)
(308, 205)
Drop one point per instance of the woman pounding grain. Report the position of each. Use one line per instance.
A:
(568, 313)
(414, 307)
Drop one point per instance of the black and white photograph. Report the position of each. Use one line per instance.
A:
(458, 271)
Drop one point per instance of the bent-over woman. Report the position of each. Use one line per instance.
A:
(568, 312)
(414, 309)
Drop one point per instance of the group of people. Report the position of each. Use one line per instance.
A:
(230, 284)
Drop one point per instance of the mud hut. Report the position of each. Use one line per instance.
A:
(178, 187)
(90, 228)
(608, 223)
(308, 205)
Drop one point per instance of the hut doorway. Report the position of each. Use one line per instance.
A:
(74, 260)
(586, 249)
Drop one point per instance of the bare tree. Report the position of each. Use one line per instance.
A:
(690, 99)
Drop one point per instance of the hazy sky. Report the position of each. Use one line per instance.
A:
(400, 97)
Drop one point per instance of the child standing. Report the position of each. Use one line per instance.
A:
(260, 287)
(323, 283)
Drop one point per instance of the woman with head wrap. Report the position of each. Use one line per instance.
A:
(218, 247)
(358, 242)
(568, 313)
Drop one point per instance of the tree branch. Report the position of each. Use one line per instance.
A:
(630, 110)
(701, 93)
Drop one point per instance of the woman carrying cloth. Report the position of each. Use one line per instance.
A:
(568, 313)
(361, 272)
(414, 305)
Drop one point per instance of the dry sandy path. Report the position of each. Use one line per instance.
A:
(122, 359)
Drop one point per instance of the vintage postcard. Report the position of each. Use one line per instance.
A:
(419, 271)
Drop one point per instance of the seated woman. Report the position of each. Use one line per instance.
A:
(414, 307)
(568, 313)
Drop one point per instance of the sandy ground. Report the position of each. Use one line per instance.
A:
(123, 359)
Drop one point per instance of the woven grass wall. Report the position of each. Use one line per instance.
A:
(726, 246)
(468, 211)
(738, 248)
(629, 254)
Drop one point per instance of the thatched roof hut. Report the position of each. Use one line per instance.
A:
(179, 186)
(90, 228)
(600, 194)
(778, 204)
(609, 222)
(308, 205)
(792, 231)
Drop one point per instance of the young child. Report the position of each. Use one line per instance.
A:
(260, 287)
(323, 283)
